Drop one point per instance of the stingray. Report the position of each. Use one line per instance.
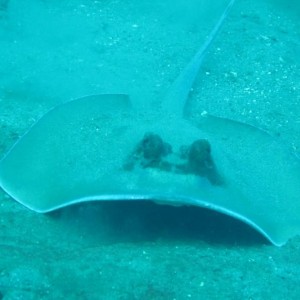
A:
(101, 147)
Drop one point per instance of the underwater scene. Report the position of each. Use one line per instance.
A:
(149, 149)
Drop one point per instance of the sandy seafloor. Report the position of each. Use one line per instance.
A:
(52, 51)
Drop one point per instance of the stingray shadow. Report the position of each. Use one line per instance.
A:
(145, 221)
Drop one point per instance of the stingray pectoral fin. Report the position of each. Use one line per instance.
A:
(78, 150)
(107, 102)
(264, 176)
(63, 155)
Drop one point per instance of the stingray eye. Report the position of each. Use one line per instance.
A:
(152, 146)
(148, 141)
(199, 155)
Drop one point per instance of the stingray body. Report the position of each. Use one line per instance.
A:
(100, 148)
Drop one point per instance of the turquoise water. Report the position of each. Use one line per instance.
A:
(54, 51)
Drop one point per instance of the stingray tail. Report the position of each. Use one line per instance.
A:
(179, 91)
